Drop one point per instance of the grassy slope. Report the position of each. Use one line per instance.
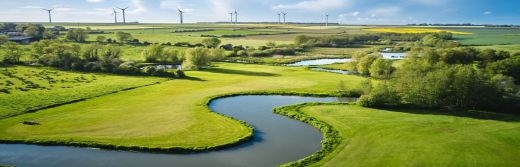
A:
(56, 87)
(169, 114)
(374, 137)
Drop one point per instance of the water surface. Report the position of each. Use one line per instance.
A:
(319, 62)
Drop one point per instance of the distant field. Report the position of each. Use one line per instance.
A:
(511, 48)
(27, 88)
(414, 30)
(488, 36)
(372, 137)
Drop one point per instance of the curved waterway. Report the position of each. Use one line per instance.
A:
(277, 140)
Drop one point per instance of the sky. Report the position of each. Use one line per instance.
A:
(388, 12)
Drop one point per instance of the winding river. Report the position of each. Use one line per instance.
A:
(277, 140)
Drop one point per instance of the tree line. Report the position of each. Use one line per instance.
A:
(348, 40)
(456, 78)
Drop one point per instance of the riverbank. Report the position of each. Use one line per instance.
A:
(170, 115)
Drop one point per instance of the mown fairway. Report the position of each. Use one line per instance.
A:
(26, 88)
(170, 114)
(372, 137)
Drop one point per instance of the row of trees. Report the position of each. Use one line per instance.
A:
(450, 78)
(362, 39)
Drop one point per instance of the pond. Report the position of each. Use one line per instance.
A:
(277, 140)
(319, 62)
(393, 56)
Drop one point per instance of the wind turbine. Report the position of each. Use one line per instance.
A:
(231, 14)
(50, 16)
(326, 20)
(181, 15)
(124, 15)
(115, 15)
(236, 17)
(279, 18)
(284, 14)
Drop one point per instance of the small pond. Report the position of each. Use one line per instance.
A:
(319, 62)
(393, 56)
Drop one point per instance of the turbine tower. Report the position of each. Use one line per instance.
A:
(115, 15)
(284, 14)
(231, 14)
(326, 20)
(50, 16)
(279, 18)
(236, 16)
(181, 13)
(124, 14)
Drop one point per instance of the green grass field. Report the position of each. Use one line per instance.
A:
(488, 36)
(511, 48)
(27, 88)
(372, 137)
(170, 114)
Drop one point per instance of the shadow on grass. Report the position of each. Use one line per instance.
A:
(239, 72)
(193, 79)
(481, 115)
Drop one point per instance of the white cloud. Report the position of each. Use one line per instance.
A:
(221, 8)
(313, 5)
(95, 1)
(31, 7)
(382, 15)
(385, 11)
(487, 13)
(138, 7)
(174, 5)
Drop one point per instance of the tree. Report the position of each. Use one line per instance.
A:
(76, 34)
(381, 68)
(3, 39)
(196, 58)
(171, 55)
(49, 34)
(211, 42)
(123, 37)
(110, 57)
(101, 39)
(153, 53)
(363, 66)
(12, 53)
(217, 54)
(91, 52)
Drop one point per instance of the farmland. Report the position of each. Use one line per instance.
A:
(119, 111)
(29, 89)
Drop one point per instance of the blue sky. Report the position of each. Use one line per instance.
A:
(342, 11)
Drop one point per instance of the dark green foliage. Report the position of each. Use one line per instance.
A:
(211, 42)
(509, 67)
(77, 35)
(3, 39)
(12, 53)
(124, 37)
(449, 79)
(357, 39)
